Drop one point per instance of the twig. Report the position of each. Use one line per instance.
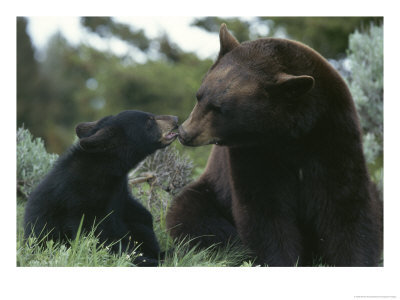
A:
(141, 179)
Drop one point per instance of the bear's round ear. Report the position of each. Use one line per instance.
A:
(291, 86)
(104, 139)
(227, 41)
(83, 129)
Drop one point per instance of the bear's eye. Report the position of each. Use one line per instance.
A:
(216, 108)
(199, 96)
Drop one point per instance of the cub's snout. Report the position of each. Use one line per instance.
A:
(167, 125)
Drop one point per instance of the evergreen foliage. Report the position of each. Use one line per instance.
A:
(327, 35)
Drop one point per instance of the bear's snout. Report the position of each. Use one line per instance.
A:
(183, 136)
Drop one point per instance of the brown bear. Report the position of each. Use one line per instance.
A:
(287, 175)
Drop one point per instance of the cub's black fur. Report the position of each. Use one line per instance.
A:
(90, 180)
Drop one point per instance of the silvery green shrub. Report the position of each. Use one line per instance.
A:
(33, 162)
(365, 60)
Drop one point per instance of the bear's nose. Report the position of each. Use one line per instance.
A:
(183, 136)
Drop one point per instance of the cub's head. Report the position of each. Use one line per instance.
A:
(253, 90)
(130, 134)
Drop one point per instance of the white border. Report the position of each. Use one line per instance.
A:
(199, 283)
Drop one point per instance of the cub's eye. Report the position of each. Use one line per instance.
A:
(150, 122)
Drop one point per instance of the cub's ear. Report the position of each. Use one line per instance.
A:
(104, 139)
(83, 129)
(227, 41)
(291, 86)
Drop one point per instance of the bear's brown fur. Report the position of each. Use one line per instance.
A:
(288, 175)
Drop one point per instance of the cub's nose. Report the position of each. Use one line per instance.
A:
(175, 121)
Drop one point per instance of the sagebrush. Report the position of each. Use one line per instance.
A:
(33, 161)
(365, 57)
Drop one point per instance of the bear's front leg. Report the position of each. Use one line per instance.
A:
(355, 242)
(274, 241)
(196, 215)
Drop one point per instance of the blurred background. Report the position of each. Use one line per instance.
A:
(78, 69)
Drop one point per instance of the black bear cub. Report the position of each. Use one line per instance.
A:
(91, 180)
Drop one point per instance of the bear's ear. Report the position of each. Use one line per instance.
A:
(83, 129)
(227, 41)
(104, 139)
(291, 86)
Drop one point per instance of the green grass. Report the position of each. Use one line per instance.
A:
(82, 252)
(85, 250)
(186, 256)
